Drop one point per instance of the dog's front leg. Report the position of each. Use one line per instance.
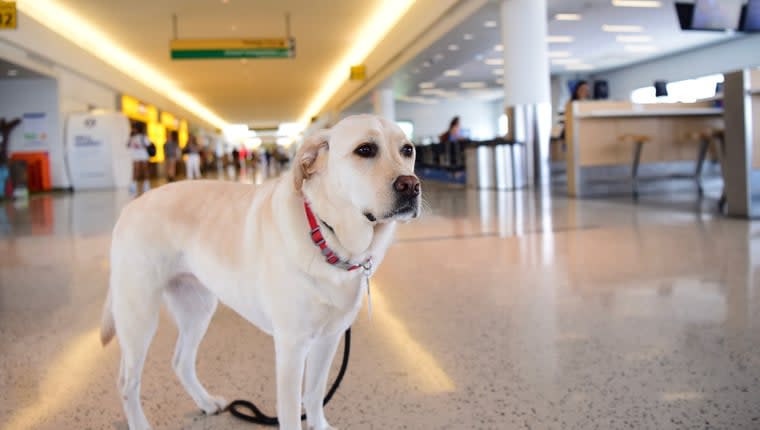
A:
(317, 369)
(290, 356)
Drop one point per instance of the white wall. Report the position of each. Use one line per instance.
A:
(733, 55)
(20, 96)
(79, 94)
(37, 48)
(432, 120)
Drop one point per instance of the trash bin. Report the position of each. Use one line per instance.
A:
(510, 165)
(505, 177)
(479, 163)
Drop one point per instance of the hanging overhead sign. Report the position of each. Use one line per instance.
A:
(7, 15)
(188, 49)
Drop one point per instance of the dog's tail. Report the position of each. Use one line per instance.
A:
(107, 327)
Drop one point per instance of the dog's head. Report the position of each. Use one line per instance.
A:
(362, 167)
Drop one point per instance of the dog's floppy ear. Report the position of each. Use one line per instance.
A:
(306, 159)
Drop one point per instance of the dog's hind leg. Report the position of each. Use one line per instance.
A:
(135, 320)
(192, 307)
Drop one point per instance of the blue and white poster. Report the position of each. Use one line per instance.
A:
(35, 129)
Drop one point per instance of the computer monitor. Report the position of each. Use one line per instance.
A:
(685, 11)
(660, 89)
(718, 15)
(751, 19)
(601, 90)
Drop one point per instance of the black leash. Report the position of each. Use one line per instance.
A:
(258, 417)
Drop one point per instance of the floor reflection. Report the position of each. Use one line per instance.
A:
(531, 309)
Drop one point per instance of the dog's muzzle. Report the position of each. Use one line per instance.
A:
(407, 189)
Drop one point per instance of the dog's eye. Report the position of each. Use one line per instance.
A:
(407, 150)
(366, 150)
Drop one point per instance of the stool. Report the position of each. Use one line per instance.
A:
(638, 141)
(704, 138)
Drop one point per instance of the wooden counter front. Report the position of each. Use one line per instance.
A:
(594, 129)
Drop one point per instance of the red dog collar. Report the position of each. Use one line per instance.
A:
(330, 256)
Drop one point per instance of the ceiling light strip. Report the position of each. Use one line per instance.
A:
(369, 36)
(82, 33)
(637, 3)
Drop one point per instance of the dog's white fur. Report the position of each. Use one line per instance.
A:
(194, 243)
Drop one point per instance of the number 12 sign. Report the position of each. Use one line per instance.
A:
(7, 15)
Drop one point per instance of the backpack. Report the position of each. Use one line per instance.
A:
(149, 146)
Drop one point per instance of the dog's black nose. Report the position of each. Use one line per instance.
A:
(407, 186)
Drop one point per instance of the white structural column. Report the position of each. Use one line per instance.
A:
(384, 104)
(527, 95)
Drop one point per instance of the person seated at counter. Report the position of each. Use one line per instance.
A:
(453, 134)
(581, 92)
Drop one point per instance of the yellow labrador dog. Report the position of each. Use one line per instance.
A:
(290, 256)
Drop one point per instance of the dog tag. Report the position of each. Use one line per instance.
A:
(369, 299)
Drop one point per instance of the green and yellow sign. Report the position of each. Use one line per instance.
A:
(188, 49)
(7, 15)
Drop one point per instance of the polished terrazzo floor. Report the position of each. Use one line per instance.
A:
(495, 311)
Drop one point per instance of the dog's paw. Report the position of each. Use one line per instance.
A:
(214, 405)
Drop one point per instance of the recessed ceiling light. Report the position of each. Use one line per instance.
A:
(12, 72)
(468, 36)
(490, 24)
(472, 85)
(623, 38)
(559, 54)
(580, 66)
(622, 28)
(453, 47)
(640, 48)
(498, 48)
(636, 3)
(560, 39)
(427, 84)
(494, 61)
(567, 17)
(498, 71)
(452, 72)
(566, 61)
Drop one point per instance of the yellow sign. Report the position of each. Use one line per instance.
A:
(358, 73)
(169, 121)
(184, 133)
(7, 15)
(135, 109)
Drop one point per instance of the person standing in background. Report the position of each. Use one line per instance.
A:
(138, 148)
(171, 153)
(193, 163)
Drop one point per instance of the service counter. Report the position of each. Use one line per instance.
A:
(608, 141)
(742, 161)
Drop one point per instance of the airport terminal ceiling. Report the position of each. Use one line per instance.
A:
(269, 91)
(471, 53)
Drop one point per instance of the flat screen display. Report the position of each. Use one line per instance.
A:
(752, 17)
(716, 14)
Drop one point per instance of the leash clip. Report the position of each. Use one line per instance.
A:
(367, 268)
